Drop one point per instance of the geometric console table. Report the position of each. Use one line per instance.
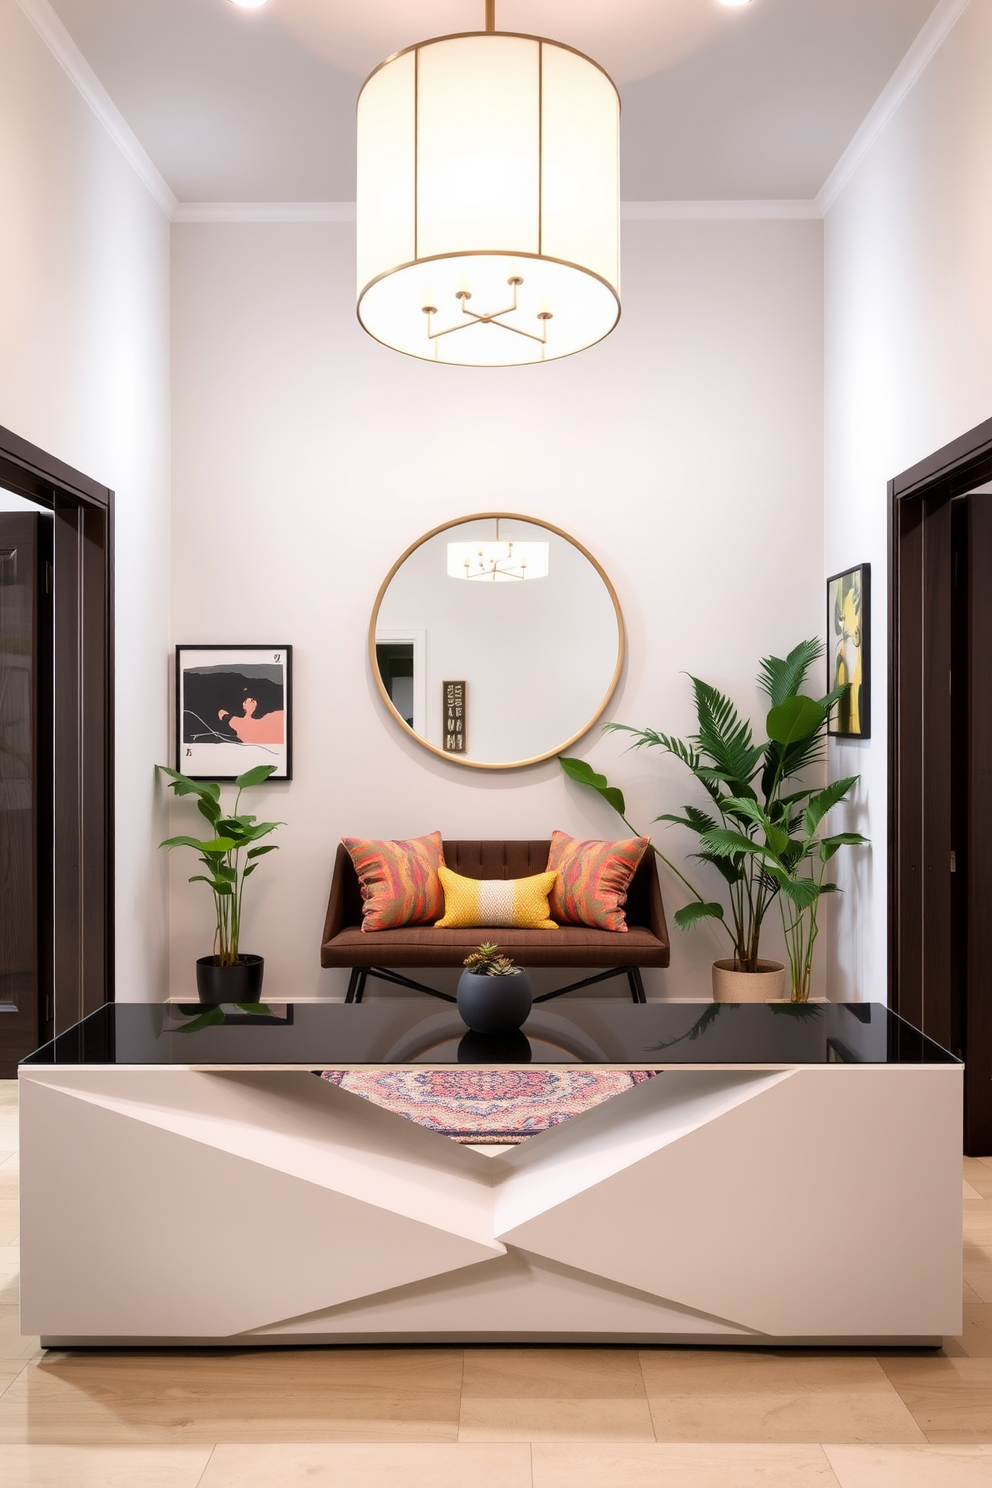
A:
(791, 1177)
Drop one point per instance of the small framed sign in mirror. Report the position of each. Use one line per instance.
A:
(455, 726)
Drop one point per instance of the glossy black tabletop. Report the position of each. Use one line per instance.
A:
(414, 1030)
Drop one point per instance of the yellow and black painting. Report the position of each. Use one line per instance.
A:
(848, 601)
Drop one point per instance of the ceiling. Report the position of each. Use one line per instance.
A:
(258, 105)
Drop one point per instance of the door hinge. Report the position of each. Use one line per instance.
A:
(954, 861)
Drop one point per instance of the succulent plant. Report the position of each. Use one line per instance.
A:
(488, 960)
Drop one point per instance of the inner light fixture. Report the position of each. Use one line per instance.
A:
(488, 200)
(497, 562)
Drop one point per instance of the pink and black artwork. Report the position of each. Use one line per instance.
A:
(233, 710)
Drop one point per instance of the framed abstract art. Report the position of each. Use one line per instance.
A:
(849, 651)
(234, 710)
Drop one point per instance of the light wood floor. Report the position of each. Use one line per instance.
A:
(497, 1417)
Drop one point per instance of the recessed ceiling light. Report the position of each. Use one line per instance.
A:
(728, 3)
(255, 4)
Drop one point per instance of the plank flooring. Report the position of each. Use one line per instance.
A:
(498, 1417)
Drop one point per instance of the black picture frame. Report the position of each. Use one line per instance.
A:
(213, 682)
(849, 650)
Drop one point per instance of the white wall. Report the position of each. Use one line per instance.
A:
(908, 293)
(84, 374)
(685, 452)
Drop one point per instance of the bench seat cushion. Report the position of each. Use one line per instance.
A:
(423, 945)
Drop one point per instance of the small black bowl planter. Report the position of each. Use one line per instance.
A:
(241, 982)
(494, 1004)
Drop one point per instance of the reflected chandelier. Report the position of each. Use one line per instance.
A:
(488, 200)
(498, 561)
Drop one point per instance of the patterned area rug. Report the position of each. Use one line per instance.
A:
(489, 1106)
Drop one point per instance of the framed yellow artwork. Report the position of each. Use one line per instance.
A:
(849, 651)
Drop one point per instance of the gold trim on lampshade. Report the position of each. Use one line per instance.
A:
(488, 200)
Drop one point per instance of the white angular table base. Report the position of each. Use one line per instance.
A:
(806, 1205)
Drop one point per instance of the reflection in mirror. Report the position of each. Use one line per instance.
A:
(497, 640)
(396, 670)
(494, 1048)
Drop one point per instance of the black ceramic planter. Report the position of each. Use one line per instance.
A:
(494, 1004)
(241, 982)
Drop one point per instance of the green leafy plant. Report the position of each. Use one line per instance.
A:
(488, 960)
(705, 1020)
(708, 1017)
(751, 815)
(233, 833)
(796, 858)
(214, 1017)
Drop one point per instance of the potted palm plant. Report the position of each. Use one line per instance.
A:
(748, 789)
(230, 856)
(796, 859)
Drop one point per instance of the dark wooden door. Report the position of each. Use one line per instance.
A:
(973, 807)
(942, 784)
(924, 885)
(940, 758)
(82, 801)
(26, 680)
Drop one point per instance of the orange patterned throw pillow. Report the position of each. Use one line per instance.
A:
(593, 878)
(399, 880)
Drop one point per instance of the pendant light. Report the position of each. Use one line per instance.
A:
(488, 200)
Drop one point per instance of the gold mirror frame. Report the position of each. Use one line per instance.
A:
(611, 688)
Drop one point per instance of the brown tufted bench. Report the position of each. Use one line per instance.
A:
(345, 944)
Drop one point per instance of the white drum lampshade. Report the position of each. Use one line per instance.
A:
(488, 201)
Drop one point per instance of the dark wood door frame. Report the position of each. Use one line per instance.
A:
(84, 722)
(26, 791)
(923, 909)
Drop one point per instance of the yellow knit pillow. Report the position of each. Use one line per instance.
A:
(518, 902)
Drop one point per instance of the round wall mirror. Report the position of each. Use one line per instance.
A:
(496, 640)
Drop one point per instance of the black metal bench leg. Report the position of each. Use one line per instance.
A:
(356, 984)
(360, 975)
(636, 984)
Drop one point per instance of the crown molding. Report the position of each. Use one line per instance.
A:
(65, 51)
(264, 212)
(931, 38)
(929, 41)
(785, 210)
(631, 211)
